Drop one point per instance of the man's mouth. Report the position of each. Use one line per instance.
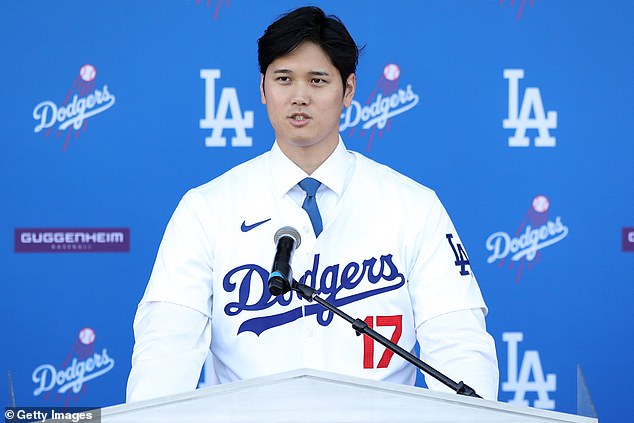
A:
(299, 117)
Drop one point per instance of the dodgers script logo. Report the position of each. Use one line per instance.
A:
(386, 101)
(535, 233)
(81, 365)
(82, 101)
(520, 118)
(218, 119)
(335, 282)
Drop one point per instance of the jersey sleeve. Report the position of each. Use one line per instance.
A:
(458, 345)
(448, 306)
(172, 326)
(440, 279)
(182, 273)
(171, 344)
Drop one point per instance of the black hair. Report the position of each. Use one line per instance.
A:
(309, 24)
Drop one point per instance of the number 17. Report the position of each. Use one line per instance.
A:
(368, 343)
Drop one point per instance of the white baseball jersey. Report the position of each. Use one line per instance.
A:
(388, 254)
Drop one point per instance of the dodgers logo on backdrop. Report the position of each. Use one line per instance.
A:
(528, 377)
(520, 119)
(336, 282)
(218, 119)
(82, 364)
(82, 101)
(386, 101)
(536, 232)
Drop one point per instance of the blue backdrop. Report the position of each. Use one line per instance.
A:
(517, 112)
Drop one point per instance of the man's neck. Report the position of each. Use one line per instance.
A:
(308, 158)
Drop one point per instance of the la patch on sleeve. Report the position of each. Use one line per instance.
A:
(462, 260)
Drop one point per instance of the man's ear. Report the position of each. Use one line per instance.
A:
(350, 89)
(262, 96)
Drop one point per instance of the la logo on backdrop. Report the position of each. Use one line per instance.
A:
(523, 248)
(527, 375)
(386, 101)
(83, 101)
(519, 117)
(81, 365)
(217, 118)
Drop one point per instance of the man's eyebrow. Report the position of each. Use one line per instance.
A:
(314, 73)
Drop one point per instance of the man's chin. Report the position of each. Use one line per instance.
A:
(302, 141)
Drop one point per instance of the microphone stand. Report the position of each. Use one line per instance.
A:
(361, 327)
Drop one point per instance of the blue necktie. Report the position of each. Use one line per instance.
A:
(310, 185)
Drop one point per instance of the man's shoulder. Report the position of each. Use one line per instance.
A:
(241, 183)
(374, 174)
(238, 177)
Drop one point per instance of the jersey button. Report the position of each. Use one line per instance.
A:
(311, 333)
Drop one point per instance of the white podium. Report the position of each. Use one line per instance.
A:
(314, 396)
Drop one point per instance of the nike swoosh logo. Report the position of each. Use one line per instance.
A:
(247, 228)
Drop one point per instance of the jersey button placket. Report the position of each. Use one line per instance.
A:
(310, 335)
(312, 352)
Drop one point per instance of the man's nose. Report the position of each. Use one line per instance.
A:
(300, 97)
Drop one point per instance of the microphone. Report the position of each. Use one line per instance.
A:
(286, 239)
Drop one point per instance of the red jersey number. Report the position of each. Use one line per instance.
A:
(368, 343)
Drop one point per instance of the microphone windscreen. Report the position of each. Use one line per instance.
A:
(290, 232)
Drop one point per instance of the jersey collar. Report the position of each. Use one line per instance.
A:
(333, 173)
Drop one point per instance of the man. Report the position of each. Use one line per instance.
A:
(373, 242)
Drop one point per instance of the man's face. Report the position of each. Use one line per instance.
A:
(304, 98)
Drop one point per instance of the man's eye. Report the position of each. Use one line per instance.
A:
(319, 81)
(283, 78)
